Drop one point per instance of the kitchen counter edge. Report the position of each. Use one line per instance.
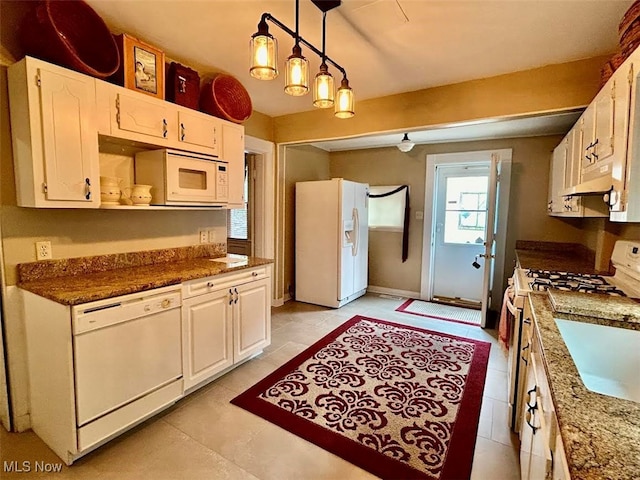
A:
(79, 289)
(599, 432)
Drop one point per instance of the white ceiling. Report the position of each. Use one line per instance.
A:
(386, 46)
(552, 124)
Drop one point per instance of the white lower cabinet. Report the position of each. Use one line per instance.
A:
(225, 319)
(541, 450)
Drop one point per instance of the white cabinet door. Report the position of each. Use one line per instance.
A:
(54, 136)
(207, 336)
(139, 114)
(200, 130)
(69, 137)
(251, 318)
(233, 152)
(556, 179)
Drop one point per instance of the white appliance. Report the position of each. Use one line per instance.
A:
(181, 178)
(626, 282)
(331, 241)
(127, 351)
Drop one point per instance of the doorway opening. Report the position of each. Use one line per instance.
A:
(466, 211)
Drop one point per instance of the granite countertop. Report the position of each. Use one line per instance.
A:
(600, 434)
(88, 279)
(557, 256)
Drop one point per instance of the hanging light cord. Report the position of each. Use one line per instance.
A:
(292, 34)
(324, 34)
(297, 22)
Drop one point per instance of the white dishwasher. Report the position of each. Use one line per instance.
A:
(125, 349)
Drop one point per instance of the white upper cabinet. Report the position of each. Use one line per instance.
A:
(55, 141)
(197, 129)
(135, 116)
(59, 117)
(233, 152)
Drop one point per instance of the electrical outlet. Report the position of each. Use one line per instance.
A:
(43, 250)
(204, 236)
(212, 235)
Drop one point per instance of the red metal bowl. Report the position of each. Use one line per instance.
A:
(70, 33)
(225, 97)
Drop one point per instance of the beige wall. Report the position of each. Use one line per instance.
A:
(304, 163)
(554, 87)
(527, 206)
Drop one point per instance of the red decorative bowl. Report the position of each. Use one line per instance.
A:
(70, 33)
(225, 97)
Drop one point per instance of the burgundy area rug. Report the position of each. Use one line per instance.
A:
(450, 313)
(398, 401)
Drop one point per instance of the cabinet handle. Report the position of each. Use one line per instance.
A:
(87, 189)
(254, 274)
(236, 300)
(164, 128)
(527, 321)
(182, 129)
(210, 284)
(526, 362)
(527, 417)
(230, 297)
(535, 405)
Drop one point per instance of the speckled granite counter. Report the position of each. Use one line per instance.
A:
(603, 307)
(601, 434)
(86, 279)
(558, 256)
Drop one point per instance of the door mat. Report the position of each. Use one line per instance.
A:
(441, 312)
(395, 400)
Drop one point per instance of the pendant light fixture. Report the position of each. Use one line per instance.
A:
(344, 100)
(297, 67)
(323, 84)
(405, 145)
(264, 53)
(264, 63)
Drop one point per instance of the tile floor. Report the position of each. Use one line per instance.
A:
(205, 437)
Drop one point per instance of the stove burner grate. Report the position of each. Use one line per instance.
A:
(576, 282)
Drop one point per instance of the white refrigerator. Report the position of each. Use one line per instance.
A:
(331, 241)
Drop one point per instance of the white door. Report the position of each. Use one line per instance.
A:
(491, 230)
(460, 231)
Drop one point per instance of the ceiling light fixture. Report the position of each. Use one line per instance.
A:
(405, 145)
(264, 52)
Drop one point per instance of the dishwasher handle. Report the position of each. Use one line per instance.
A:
(105, 313)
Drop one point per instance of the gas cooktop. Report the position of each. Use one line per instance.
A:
(576, 282)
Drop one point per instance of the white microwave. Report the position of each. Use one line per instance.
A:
(183, 178)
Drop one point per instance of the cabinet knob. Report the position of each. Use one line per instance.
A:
(166, 303)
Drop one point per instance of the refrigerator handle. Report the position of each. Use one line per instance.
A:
(356, 232)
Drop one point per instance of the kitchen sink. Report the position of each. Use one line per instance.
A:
(607, 358)
(232, 260)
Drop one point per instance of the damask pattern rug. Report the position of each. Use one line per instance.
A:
(398, 401)
(439, 311)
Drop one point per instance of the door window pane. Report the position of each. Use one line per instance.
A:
(466, 209)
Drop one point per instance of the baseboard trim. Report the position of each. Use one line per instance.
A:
(393, 291)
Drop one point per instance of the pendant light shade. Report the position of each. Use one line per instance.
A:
(344, 100)
(405, 145)
(296, 73)
(264, 54)
(323, 94)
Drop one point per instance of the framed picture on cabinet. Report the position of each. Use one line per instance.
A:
(142, 66)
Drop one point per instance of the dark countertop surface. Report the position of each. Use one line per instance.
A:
(556, 256)
(86, 279)
(600, 433)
